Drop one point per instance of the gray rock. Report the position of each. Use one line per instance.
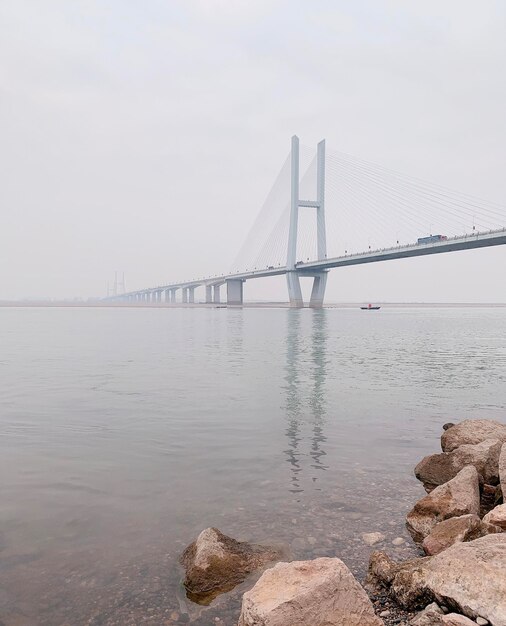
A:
(430, 616)
(497, 517)
(215, 563)
(469, 577)
(322, 592)
(437, 469)
(373, 538)
(454, 619)
(502, 471)
(459, 496)
(472, 432)
(450, 531)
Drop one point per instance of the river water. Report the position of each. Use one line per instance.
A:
(124, 432)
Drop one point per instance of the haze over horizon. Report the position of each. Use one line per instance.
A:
(145, 138)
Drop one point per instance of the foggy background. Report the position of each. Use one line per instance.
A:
(144, 136)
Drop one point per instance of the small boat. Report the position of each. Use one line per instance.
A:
(370, 307)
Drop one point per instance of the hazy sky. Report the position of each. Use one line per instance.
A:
(144, 136)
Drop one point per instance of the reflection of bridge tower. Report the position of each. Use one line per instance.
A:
(319, 372)
(293, 397)
(296, 390)
(292, 274)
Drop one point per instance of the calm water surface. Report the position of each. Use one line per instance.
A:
(124, 432)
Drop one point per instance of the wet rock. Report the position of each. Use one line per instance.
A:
(469, 577)
(459, 496)
(373, 538)
(437, 469)
(215, 563)
(322, 592)
(497, 517)
(453, 530)
(472, 432)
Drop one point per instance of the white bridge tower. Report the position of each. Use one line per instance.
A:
(294, 270)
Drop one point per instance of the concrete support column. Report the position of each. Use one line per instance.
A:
(235, 291)
(191, 295)
(318, 291)
(216, 294)
(294, 290)
(173, 293)
(158, 296)
(185, 295)
(167, 295)
(209, 294)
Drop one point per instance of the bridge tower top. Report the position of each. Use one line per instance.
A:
(296, 203)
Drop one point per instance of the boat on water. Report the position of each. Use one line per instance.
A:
(370, 307)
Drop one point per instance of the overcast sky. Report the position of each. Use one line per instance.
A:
(144, 136)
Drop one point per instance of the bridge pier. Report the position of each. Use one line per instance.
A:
(318, 291)
(209, 294)
(191, 295)
(216, 294)
(294, 290)
(167, 296)
(173, 294)
(185, 295)
(235, 291)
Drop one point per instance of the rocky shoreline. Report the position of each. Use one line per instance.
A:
(460, 577)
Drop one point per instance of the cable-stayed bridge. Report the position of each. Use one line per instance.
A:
(342, 211)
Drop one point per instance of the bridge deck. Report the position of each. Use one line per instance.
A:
(466, 242)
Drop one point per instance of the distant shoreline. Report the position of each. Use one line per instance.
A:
(163, 305)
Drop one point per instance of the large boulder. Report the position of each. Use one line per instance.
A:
(472, 432)
(322, 592)
(467, 577)
(215, 563)
(453, 530)
(497, 517)
(459, 496)
(437, 469)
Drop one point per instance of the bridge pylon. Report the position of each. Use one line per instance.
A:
(293, 274)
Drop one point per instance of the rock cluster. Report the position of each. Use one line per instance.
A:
(460, 525)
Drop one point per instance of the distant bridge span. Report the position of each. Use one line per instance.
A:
(317, 269)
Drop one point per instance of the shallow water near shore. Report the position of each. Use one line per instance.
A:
(125, 432)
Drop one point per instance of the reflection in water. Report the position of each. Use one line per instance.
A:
(317, 399)
(296, 369)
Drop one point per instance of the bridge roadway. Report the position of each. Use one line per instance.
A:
(235, 281)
